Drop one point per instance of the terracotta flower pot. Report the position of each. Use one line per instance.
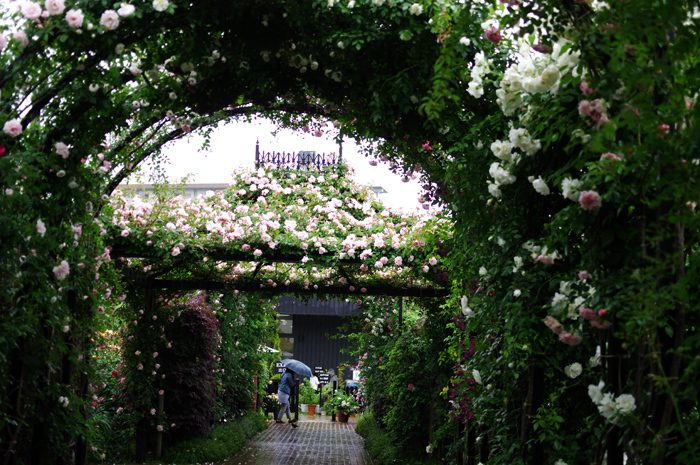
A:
(342, 417)
(312, 410)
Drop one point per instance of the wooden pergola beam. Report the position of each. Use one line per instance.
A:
(118, 251)
(203, 285)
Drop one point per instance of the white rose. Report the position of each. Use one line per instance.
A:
(625, 403)
(607, 406)
(502, 150)
(161, 5)
(573, 370)
(540, 186)
(596, 392)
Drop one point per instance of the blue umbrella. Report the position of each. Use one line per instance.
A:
(297, 367)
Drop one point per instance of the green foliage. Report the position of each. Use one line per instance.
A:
(377, 442)
(381, 448)
(247, 325)
(401, 372)
(341, 403)
(225, 440)
(307, 394)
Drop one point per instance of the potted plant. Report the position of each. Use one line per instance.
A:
(326, 393)
(309, 397)
(343, 405)
(273, 402)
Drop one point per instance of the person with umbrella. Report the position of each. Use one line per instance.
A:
(283, 393)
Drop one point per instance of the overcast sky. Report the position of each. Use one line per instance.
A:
(233, 146)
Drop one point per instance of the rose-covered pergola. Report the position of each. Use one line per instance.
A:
(558, 133)
(278, 230)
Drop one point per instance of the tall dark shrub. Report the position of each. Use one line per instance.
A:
(189, 383)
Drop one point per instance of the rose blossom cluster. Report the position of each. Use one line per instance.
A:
(611, 407)
(302, 210)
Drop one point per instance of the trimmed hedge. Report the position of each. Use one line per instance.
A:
(225, 440)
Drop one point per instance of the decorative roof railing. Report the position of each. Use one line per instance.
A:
(302, 160)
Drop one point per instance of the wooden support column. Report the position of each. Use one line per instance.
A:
(159, 437)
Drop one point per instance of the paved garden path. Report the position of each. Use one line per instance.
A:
(317, 441)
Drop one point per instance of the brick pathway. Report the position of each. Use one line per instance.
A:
(317, 441)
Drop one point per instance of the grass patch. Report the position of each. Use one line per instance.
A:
(223, 441)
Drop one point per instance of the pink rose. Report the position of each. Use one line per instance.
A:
(159, 427)
(75, 18)
(257, 252)
(587, 313)
(245, 247)
(554, 325)
(585, 89)
(398, 261)
(610, 156)
(12, 128)
(589, 200)
(584, 108)
(31, 10)
(109, 20)
(55, 7)
(61, 271)
(21, 36)
(600, 324)
(663, 130)
(570, 339)
(583, 275)
(493, 34)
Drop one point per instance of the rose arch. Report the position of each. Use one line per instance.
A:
(558, 133)
(91, 90)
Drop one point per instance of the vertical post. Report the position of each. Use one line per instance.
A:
(141, 440)
(257, 153)
(296, 401)
(340, 153)
(469, 428)
(484, 447)
(335, 386)
(613, 446)
(159, 437)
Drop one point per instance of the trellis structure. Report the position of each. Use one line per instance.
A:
(280, 231)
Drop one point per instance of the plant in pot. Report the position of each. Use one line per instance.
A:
(326, 393)
(343, 405)
(272, 404)
(309, 397)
